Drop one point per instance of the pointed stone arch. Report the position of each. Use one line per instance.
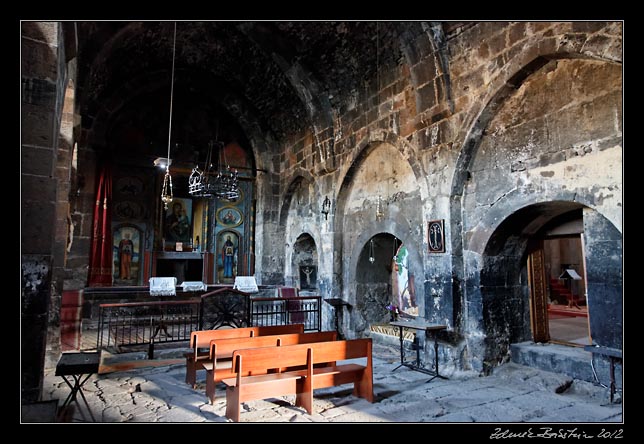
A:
(533, 56)
(406, 227)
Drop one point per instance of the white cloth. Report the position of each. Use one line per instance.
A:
(247, 284)
(193, 286)
(163, 286)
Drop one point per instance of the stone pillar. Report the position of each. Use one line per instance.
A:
(42, 95)
(603, 255)
(63, 225)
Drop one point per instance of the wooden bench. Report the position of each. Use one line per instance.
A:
(246, 386)
(200, 343)
(219, 367)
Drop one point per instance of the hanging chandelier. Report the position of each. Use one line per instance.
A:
(166, 191)
(222, 183)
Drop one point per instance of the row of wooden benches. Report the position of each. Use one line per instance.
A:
(261, 362)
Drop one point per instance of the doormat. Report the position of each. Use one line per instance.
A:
(390, 330)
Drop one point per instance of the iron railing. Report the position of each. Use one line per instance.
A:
(141, 323)
(147, 323)
(305, 310)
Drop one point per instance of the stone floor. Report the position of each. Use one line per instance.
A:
(513, 394)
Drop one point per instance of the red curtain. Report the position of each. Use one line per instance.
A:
(100, 259)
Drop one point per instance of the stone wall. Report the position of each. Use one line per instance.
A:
(488, 118)
(494, 127)
(43, 87)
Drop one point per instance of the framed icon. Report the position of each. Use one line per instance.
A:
(227, 255)
(229, 217)
(126, 254)
(436, 236)
(308, 277)
(178, 221)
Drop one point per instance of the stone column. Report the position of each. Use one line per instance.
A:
(43, 79)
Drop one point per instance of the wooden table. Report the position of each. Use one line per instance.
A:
(76, 365)
(416, 364)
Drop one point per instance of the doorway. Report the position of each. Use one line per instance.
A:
(562, 271)
(567, 301)
(515, 288)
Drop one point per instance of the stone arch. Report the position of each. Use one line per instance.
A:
(293, 228)
(303, 253)
(361, 154)
(398, 229)
(532, 57)
(499, 300)
(365, 146)
(398, 222)
(300, 177)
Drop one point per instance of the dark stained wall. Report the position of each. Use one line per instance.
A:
(43, 86)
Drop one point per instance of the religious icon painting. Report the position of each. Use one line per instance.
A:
(178, 221)
(229, 217)
(227, 256)
(308, 277)
(126, 255)
(436, 236)
(128, 186)
(402, 283)
(128, 210)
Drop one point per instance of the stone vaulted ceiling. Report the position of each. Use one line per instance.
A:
(276, 79)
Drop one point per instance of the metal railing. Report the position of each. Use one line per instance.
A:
(140, 323)
(147, 323)
(305, 310)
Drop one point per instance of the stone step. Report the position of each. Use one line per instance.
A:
(572, 361)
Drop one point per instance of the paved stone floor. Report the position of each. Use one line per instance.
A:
(513, 394)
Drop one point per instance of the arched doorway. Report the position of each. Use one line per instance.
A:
(565, 277)
(516, 291)
(373, 287)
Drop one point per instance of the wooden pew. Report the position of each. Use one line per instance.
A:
(200, 340)
(246, 386)
(221, 350)
(338, 374)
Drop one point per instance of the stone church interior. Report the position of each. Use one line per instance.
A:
(462, 177)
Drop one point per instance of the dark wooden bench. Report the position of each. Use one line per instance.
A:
(200, 343)
(246, 386)
(219, 367)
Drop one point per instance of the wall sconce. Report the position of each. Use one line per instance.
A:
(326, 207)
(380, 213)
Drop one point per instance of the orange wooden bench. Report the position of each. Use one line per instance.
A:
(219, 367)
(246, 386)
(200, 343)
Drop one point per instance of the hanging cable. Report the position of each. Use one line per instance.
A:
(174, 48)
(167, 194)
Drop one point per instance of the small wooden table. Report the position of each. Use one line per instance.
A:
(76, 365)
(415, 365)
